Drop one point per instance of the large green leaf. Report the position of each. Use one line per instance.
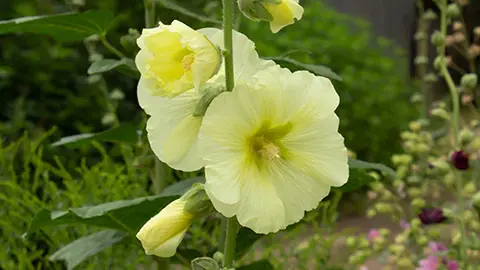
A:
(317, 69)
(258, 265)
(63, 27)
(125, 132)
(125, 66)
(81, 249)
(360, 164)
(126, 215)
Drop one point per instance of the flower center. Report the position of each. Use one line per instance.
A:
(187, 62)
(266, 149)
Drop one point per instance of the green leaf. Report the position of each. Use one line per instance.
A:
(125, 66)
(245, 240)
(63, 27)
(317, 69)
(125, 132)
(81, 249)
(204, 263)
(258, 265)
(360, 164)
(182, 10)
(126, 215)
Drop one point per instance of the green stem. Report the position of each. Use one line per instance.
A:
(230, 242)
(231, 223)
(150, 13)
(228, 14)
(455, 126)
(160, 179)
(110, 47)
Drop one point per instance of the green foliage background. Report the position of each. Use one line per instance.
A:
(44, 84)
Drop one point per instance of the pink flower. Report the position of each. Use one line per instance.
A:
(429, 263)
(372, 234)
(452, 265)
(436, 247)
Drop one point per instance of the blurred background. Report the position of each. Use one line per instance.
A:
(46, 94)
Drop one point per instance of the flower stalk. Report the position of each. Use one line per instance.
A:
(455, 120)
(231, 223)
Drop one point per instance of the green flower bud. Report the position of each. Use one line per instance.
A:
(468, 215)
(439, 62)
(434, 233)
(422, 240)
(350, 241)
(414, 192)
(430, 78)
(402, 171)
(419, 36)
(437, 38)
(453, 11)
(405, 263)
(129, 41)
(418, 203)
(363, 243)
(469, 188)
(415, 223)
(439, 112)
(429, 15)
(371, 213)
(416, 98)
(117, 94)
(447, 212)
(476, 201)
(420, 60)
(109, 119)
(400, 238)
(383, 208)
(218, 257)
(469, 80)
(377, 186)
(95, 57)
(474, 224)
(404, 159)
(449, 179)
(421, 148)
(414, 179)
(415, 126)
(397, 249)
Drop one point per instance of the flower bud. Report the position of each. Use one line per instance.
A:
(460, 160)
(429, 15)
(469, 188)
(414, 192)
(439, 62)
(405, 263)
(383, 208)
(162, 234)
(453, 11)
(197, 201)
(218, 257)
(430, 78)
(403, 159)
(440, 112)
(129, 41)
(437, 38)
(371, 213)
(476, 201)
(420, 60)
(109, 119)
(419, 35)
(350, 241)
(469, 80)
(279, 13)
(397, 249)
(418, 202)
(431, 216)
(422, 240)
(117, 94)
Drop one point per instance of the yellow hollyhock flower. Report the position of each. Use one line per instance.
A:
(162, 234)
(272, 148)
(173, 124)
(175, 58)
(279, 13)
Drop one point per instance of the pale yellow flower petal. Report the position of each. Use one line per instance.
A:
(172, 130)
(169, 248)
(284, 14)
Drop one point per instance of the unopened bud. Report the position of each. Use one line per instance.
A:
(109, 119)
(397, 249)
(350, 241)
(218, 257)
(429, 15)
(420, 60)
(469, 81)
(476, 201)
(453, 11)
(422, 240)
(197, 201)
(117, 94)
(430, 78)
(460, 160)
(437, 38)
(441, 113)
(405, 263)
(420, 36)
(469, 188)
(418, 203)
(439, 62)
(414, 192)
(383, 208)
(129, 41)
(371, 213)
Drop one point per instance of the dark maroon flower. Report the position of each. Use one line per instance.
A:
(459, 160)
(431, 216)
